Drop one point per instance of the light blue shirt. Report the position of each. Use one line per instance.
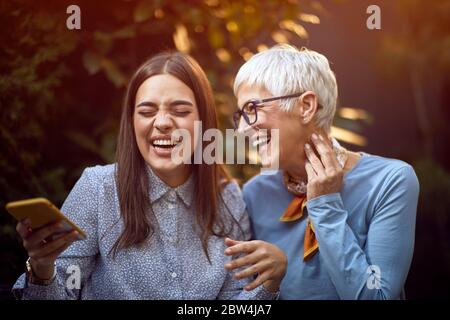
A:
(169, 265)
(371, 222)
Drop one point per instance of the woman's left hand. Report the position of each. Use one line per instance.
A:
(325, 175)
(262, 258)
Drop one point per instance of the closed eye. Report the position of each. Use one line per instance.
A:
(181, 107)
(181, 113)
(147, 113)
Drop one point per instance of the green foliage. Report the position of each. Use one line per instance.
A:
(61, 90)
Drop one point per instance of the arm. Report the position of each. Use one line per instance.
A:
(235, 282)
(390, 239)
(81, 207)
(389, 245)
(238, 277)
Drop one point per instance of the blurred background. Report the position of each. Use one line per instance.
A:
(61, 93)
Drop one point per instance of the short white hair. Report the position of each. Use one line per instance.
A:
(284, 70)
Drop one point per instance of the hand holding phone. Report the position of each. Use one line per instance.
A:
(42, 212)
(45, 232)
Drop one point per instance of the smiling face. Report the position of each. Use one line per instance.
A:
(164, 104)
(292, 133)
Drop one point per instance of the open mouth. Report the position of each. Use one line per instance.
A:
(165, 143)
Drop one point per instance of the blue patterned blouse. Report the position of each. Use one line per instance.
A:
(169, 265)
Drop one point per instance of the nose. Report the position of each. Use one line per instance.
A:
(163, 122)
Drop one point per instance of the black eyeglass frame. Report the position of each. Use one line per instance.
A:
(257, 103)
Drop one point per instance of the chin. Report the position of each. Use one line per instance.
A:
(163, 166)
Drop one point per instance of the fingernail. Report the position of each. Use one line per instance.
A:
(307, 146)
(227, 251)
(227, 265)
(314, 136)
(320, 137)
(247, 288)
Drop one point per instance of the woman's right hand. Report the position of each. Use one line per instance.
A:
(44, 245)
(261, 258)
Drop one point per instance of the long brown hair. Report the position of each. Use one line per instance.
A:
(131, 175)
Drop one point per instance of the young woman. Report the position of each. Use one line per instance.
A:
(157, 229)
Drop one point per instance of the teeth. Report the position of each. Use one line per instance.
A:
(161, 142)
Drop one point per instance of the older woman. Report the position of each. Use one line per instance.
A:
(157, 228)
(345, 219)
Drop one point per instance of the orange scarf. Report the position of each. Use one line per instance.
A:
(295, 211)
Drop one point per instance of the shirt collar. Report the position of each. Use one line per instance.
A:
(159, 188)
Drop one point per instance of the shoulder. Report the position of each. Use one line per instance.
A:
(91, 183)
(262, 184)
(394, 180)
(98, 176)
(264, 181)
(100, 172)
(390, 170)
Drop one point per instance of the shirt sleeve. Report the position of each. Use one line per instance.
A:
(378, 270)
(74, 266)
(232, 288)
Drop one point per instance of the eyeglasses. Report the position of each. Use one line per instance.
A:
(249, 110)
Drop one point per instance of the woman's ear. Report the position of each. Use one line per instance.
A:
(308, 106)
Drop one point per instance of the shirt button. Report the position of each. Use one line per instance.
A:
(173, 275)
(171, 206)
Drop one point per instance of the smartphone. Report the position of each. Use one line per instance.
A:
(41, 212)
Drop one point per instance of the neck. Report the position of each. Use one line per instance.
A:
(175, 177)
(297, 172)
(296, 169)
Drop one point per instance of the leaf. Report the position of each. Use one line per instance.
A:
(143, 11)
(294, 27)
(216, 38)
(125, 33)
(311, 18)
(103, 41)
(83, 141)
(348, 136)
(223, 55)
(181, 38)
(113, 73)
(91, 62)
(279, 37)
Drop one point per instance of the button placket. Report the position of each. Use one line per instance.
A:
(171, 233)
